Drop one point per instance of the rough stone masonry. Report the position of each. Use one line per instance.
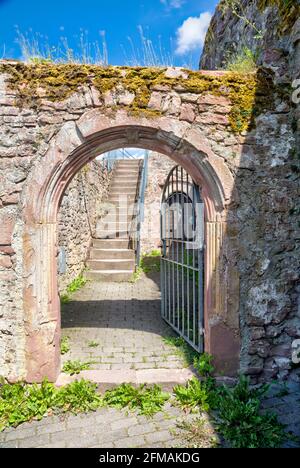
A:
(234, 134)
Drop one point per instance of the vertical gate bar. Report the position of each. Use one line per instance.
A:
(169, 267)
(162, 276)
(182, 255)
(177, 245)
(188, 269)
(173, 249)
(194, 266)
(201, 280)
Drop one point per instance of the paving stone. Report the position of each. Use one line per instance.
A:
(122, 424)
(141, 429)
(130, 442)
(159, 436)
(20, 433)
(35, 441)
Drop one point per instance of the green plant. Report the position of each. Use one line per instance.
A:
(20, 402)
(203, 364)
(284, 391)
(241, 421)
(237, 9)
(65, 299)
(150, 262)
(77, 284)
(195, 394)
(147, 400)
(75, 367)
(78, 397)
(199, 434)
(186, 352)
(65, 346)
(36, 49)
(136, 275)
(242, 62)
(93, 344)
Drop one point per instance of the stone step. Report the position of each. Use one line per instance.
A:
(113, 226)
(125, 180)
(106, 380)
(124, 184)
(111, 243)
(122, 165)
(120, 217)
(133, 173)
(102, 254)
(129, 162)
(122, 191)
(111, 265)
(104, 234)
(112, 276)
(121, 197)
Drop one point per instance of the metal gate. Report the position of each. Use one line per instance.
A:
(182, 278)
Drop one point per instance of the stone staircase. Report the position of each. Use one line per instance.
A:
(110, 258)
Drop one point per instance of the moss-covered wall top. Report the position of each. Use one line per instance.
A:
(249, 95)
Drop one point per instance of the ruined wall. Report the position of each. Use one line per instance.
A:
(267, 179)
(158, 171)
(80, 209)
(245, 132)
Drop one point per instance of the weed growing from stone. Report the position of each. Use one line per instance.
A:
(241, 420)
(75, 367)
(65, 346)
(239, 416)
(196, 394)
(243, 62)
(182, 349)
(77, 284)
(146, 400)
(199, 434)
(21, 403)
(203, 364)
(93, 344)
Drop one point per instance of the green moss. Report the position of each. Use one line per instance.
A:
(249, 94)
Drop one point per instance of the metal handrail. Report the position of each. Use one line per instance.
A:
(139, 215)
(109, 159)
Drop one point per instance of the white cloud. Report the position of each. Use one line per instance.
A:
(191, 34)
(172, 3)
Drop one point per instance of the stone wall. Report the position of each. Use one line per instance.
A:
(80, 209)
(235, 134)
(267, 179)
(158, 171)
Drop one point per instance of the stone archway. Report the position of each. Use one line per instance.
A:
(75, 145)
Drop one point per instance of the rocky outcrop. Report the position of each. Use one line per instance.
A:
(269, 28)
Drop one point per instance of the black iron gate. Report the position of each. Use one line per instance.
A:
(182, 278)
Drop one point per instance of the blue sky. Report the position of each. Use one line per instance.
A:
(185, 21)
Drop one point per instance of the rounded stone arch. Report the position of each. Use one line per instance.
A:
(74, 146)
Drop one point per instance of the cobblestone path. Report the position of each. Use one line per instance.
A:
(118, 326)
(111, 428)
(107, 428)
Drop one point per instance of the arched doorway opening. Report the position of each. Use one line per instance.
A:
(74, 146)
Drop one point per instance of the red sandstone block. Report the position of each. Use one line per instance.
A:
(5, 261)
